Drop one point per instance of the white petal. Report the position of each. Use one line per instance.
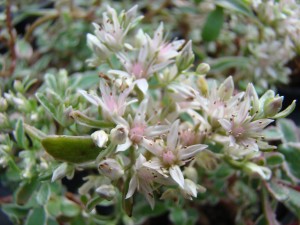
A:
(95, 100)
(177, 44)
(156, 130)
(142, 85)
(173, 136)
(191, 151)
(225, 124)
(120, 121)
(147, 191)
(119, 73)
(177, 175)
(141, 112)
(151, 146)
(232, 141)
(196, 116)
(140, 161)
(225, 90)
(132, 101)
(132, 187)
(125, 146)
(190, 187)
(259, 125)
(154, 164)
(159, 32)
(160, 66)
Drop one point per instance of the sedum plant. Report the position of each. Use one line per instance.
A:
(149, 133)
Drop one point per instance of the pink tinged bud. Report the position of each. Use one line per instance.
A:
(119, 134)
(111, 169)
(187, 137)
(100, 138)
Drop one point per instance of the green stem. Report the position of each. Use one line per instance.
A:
(166, 83)
(105, 153)
(235, 164)
(110, 63)
(39, 22)
(87, 121)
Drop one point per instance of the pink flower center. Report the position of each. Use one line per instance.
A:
(238, 131)
(168, 157)
(137, 70)
(136, 133)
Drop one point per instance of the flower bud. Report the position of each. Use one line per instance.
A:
(203, 69)
(4, 122)
(272, 106)
(111, 168)
(106, 191)
(191, 173)
(23, 49)
(3, 104)
(60, 172)
(202, 85)
(189, 190)
(226, 89)
(18, 86)
(171, 194)
(207, 160)
(119, 134)
(97, 47)
(186, 57)
(68, 120)
(100, 138)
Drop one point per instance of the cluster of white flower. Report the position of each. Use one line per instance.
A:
(277, 41)
(265, 36)
(164, 116)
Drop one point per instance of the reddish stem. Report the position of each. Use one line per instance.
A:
(11, 43)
